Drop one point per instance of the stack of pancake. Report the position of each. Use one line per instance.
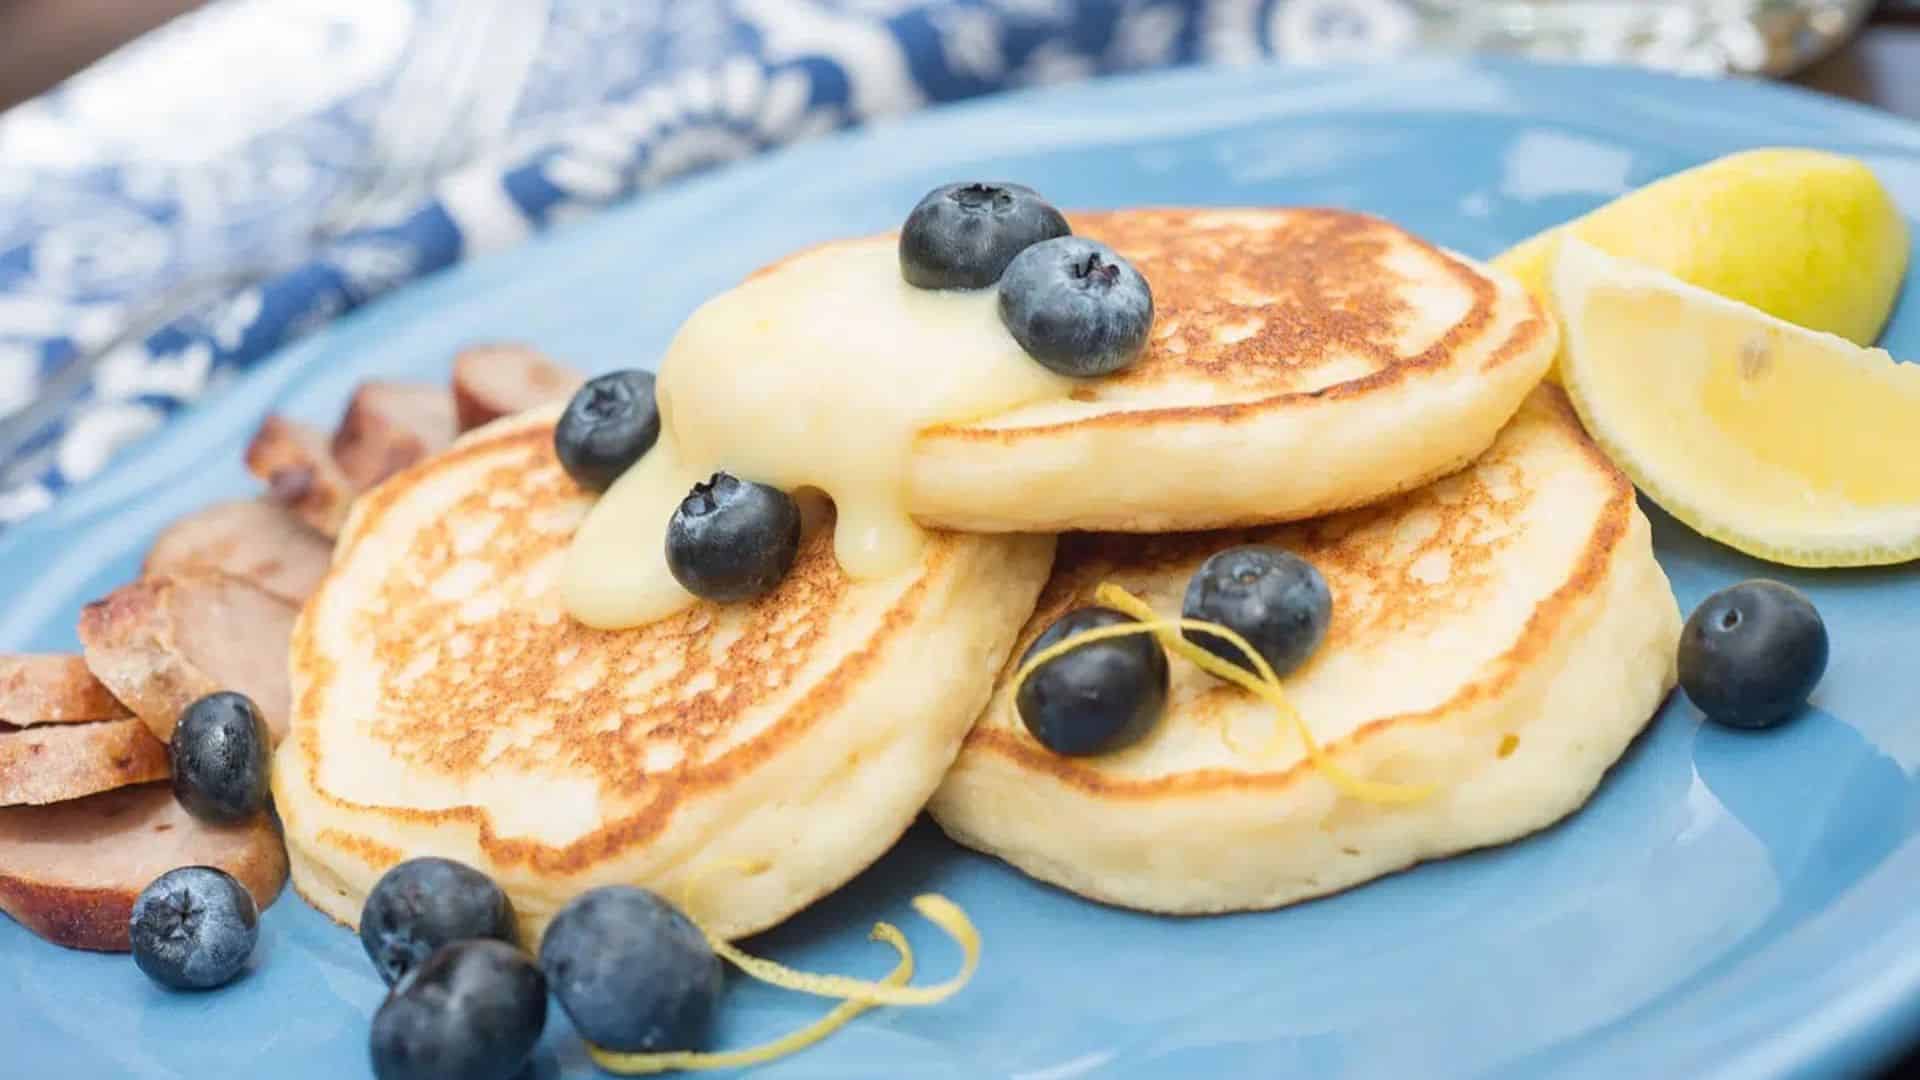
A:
(1315, 379)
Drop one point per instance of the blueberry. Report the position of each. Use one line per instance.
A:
(422, 904)
(610, 423)
(962, 236)
(1076, 306)
(732, 540)
(221, 753)
(631, 970)
(1751, 653)
(472, 1011)
(1272, 597)
(193, 928)
(1097, 698)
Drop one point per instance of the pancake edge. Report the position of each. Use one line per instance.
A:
(1598, 618)
(692, 841)
(1321, 451)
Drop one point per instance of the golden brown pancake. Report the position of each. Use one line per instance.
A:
(1301, 361)
(1500, 635)
(745, 758)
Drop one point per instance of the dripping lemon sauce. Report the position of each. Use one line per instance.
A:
(817, 373)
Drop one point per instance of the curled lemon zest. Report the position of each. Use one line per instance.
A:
(1119, 599)
(696, 882)
(635, 1064)
(1262, 683)
(936, 909)
(1224, 726)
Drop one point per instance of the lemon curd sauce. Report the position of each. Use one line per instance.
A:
(816, 373)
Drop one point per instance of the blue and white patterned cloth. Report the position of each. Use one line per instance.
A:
(252, 171)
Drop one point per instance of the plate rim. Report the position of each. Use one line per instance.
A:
(1870, 1022)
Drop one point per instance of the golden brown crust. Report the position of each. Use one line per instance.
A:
(1302, 289)
(513, 659)
(52, 688)
(68, 761)
(71, 872)
(1084, 561)
(129, 638)
(371, 852)
(77, 918)
(1308, 286)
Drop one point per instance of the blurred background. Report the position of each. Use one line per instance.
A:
(44, 41)
(186, 185)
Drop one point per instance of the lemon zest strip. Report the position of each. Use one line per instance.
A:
(1126, 603)
(933, 907)
(1267, 687)
(936, 909)
(696, 881)
(636, 1064)
(1264, 683)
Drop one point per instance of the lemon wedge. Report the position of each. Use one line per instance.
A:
(1789, 444)
(1804, 235)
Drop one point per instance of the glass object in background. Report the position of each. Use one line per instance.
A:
(1706, 37)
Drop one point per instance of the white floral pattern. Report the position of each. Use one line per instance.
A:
(17, 378)
(258, 168)
(255, 169)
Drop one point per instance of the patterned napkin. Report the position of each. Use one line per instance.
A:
(250, 172)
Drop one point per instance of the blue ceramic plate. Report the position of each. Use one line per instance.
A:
(1734, 905)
